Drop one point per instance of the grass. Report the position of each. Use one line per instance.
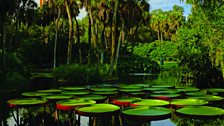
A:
(168, 65)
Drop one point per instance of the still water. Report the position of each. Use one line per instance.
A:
(164, 78)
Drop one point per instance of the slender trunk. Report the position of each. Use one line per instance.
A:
(114, 32)
(69, 51)
(3, 48)
(103, 43)
(93, 30)
(89, 40)
(158, 36)
(56, 39)
(161, 34)
(121, 39)
(78, 41)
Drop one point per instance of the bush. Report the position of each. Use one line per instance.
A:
(81, 74)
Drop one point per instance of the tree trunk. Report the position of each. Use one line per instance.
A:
(78, 41)
(69, 50)
(56, 39)
(3, 49)
(114, 32)
(121, 40)
(89, 40)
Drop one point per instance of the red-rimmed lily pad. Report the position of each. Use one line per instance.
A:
(150, 102)
(84, 92)
(50, 91)
(201, 112)
(124, 101)
(35, 94)
(209, 97)
(71, 103)
(188, 102)
(98, 110)
(167, 97)
(25, 102)
(147, 113)
(73, 88)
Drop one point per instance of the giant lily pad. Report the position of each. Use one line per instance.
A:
(124, 101)
(200, 111)
(165, 96)
(188, 89)
(209, 97)
(130, 90)
(104, 93)
(104, 89)
(26, 102)
(84, 92)
(57, 97)
(150, 102)
(154, 89)
(217, 90)
(147, 113)
(163, 86)
(166, 92)
(73, 88)
(199, 93)
(188, 102)
(96, 98)
(130, 87)
(97, 110)
(35, 94)
(71, 103)
(50, 91)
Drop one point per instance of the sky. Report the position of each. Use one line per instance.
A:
(154, 4)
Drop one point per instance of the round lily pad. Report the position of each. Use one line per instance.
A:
(188, 89)
(165, 96)
(104, 89)
(199, 93)
(35, 94)
(50, 91)
(57, 97)
(73, 88)
(150, 102)
(130, 87)
(105, 92)
(217, 90)
(154, 89)
(166, 92)
(124, 101)
(130, 90)
(188, 102)
(163, 86)
(84, 92)
(97, 110)
(147, 113)
(25, 102)
(71, 103)
(200, 112)
(209, 97)
(96, 98)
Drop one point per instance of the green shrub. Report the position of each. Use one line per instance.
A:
(81, 74)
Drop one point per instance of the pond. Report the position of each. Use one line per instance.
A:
(144, 99)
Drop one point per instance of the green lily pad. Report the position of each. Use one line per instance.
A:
(104, 89)
(196, 93)
(84, 92)
(136, 93)
(209, 97)
(50, 91)
(163, 86)
(166, 95)
(73, 88)
(188, 101)
(130, 90)
(97, 110)
(93, 97)
(154, 89)
(26, 101)
(201, 111)
(130, 87)
(217, 90)
(127, 99)
(57, 97)
(35, 94)
(188, 89)
(166, 92)
(150, 102)
(104, 92)
(75, 102)
(147, 113)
